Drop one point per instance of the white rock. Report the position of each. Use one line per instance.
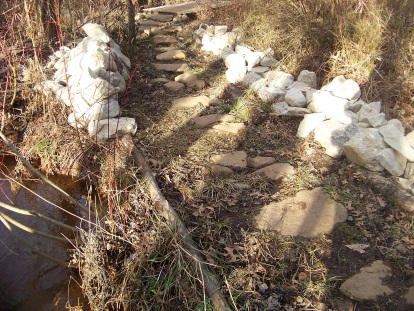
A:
(410, 138)
(280, 108)
(253, 59)
(92, 44)
(364, 147)
(298, 111)
(235, 74)
(309, 123)
(259, 84)
(98, 90)
(346, 117)
(63, 51)
(98, 59)
(343, 88)
(325, 102)
(332, 135)
(113, 78)
(110, 128)
(401, 145)
(279, 79)
(220, 30)
(295, 98)
(367, 111)
(269, 94)
(392, 161)
(250, 78)
(210, 29)
(390, 131)
(397, 123)
(406, 184)
(377, 120)
(96, 31)
(235, 60)
(301, 86)
(409, 171)
(108, 108)
(232, 38)
(242, 50)
(218, 44)
(226, 51)
(309, 78)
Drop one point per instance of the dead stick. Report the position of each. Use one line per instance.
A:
(33, 248)
(39, 215)
(210, 282)
(43, 177)
(34, 231)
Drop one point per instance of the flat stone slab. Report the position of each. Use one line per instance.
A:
(165, 48)
(174, 86)
(369, 283)
(205, 121)
(149, 23)
(189, 7)
(190, 101)
(161, 39)
(173, 54)
(160, 80)
(227, 127)
(233, 159)
(177, 67)
(308, 214)
(220, 171)
(258, 162)
(161, 17)
(406, 303)
(276, 171)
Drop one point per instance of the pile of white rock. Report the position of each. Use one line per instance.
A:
(89, 79)
(342, 122)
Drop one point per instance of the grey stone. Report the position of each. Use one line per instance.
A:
(370, 283)
(186, 78)
(377, 120)
(409, 171)
(295, 98)
(261, 70)
(392, 161)
(279, 79)
(205, 121)
(332, 135)
(410, 138)
(253, 59)
(397, 123)
(309, 95)
(268, 61)
(364, 147)
(406, 184)
(309, 78)
(220, 30)
(271, 94)
(395, 139)
(308, 214)
(297, 111)
(280, 108)
(225, 52)
(356, 105)
(300, 86)
(309, 123)
(227, 127)
(250, 78)
(277, 172)
(346, 117)
(258, 162)
(369, 110)
(162, 39)
(259, 84)
(237, 159)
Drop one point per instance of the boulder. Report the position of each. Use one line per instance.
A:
(309, 123)
(235, 60)
(395, 139)
(309, 78)
(392, 161)
(370, 283)
(308, 214)
(369, 110)
(363, 148)
(279, 79)
(169, 55)
(271, 94)
(332, 135)
(295, 98)
(343, 88)
(325, 102)
(96, 31)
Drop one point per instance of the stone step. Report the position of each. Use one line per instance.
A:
(190, 102)
(227, 127)
(161, 17)
(177, 67)
(161, 39)
(206, 121)
(147, 22)
(165, 48)
(171, 55)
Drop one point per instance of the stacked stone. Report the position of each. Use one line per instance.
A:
(88, 79)
(342, 122)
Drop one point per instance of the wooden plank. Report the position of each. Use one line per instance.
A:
(189, 7)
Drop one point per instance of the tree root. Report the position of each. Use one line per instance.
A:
(210, 282)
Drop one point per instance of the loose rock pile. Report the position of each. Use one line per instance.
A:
(88, 79)
(341, 121)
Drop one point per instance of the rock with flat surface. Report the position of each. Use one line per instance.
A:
(308, 214)
(370, 283)
(395, 139)
(233, 128)
(271, 94)
(111, 128)
(174, 86)
(177, 67)
(364, 147)
(332, 135)
(344, 88)
(237, 159)
(190, 101)
(205, 121)
(377, 120)
(406, 303)
(392, 161)
(369, 110)
(309, 123)
(279, 79)
(235, 74)
(325, 102)
(277, 172)
(220, 171)
(197, 84)
(250, 78)
(258, 162)
(295, 98)
(96, 31)
(235, 60)
(280, 108)
(397, 123)
(161, 39)
(186, 78)
(160, 17)
(261, 70)
(169, 55)
(409, 171)
(309, 78)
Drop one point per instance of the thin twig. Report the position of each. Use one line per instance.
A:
(210, 282)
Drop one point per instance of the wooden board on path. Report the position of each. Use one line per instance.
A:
(189, 7)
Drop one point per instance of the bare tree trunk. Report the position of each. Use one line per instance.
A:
(131, 21)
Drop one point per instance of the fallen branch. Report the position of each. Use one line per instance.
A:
(390, 188)
(39, 215)
(33, 248)
(43, 177)
(34, 231)
(209, 280)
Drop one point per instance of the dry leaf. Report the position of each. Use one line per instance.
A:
(358, 247)
(230, 253)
